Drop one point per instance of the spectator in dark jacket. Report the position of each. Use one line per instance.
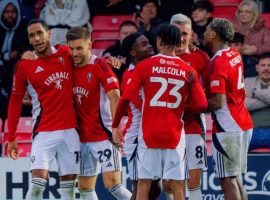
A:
(125, 29)
(13, 42)
(201, 17)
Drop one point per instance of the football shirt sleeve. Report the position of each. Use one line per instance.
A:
(217, 78)
(196, 101)
(15, 103)
(133, 85)
(106, 75)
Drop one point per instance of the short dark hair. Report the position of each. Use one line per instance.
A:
(203, 4)
(223, 27)
(128, 43)
(263, 56)
(128, 23)
(38, 21)
(169, 35)
(78, 32)
(238, 38)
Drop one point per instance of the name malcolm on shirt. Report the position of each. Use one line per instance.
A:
(168, 70)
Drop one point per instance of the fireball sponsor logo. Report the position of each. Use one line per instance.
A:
(57, 79)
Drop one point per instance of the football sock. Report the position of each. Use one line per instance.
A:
(120, 192)
(36, 189)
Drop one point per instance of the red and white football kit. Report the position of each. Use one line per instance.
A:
(232, 124)
(49, 82)
(167, 81)
(194, 123)
(225, 76)
(132, 127)
(91, 84)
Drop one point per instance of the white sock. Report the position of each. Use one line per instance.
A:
(120, 192)
(195, 194)
(88, 194)
(169, 196)
(67, 190)
(36, 189)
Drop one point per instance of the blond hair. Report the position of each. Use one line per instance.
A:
(255, 10)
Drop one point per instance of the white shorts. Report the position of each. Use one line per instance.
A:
(230, 152)
(64, 145)
(196, 151)
(132, 160)
(99, 156)
(169, 164)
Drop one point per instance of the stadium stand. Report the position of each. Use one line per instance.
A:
(225, 2)
(266, 17)
(109, 23)
(104, 39)
(24, 137)
(106, 30)
(224, 11)
(38, 7)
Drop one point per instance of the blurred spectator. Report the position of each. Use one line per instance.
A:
(27, 9)
(201, 17)
(258, 102)
(258, 92)
(111, 7)
(13, 42)
(61, 15)
(257, 36)
(148, 21)
(125, 29)
(237, 42)
(167, 8)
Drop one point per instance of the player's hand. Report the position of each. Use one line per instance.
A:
(13, 150)
(117, 137)
(192, 47)
(29, 55)
(114, 62)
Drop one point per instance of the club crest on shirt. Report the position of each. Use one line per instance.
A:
(61, 59)
(89, 76)
(162, 61)
(33, 159)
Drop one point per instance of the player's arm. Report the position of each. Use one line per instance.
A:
(113, 96)
(196, 101)
(132, 88)
(14, 110)
(216, 98)
(215, 101)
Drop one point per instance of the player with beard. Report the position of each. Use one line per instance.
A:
(96, 94)
(194, 123)
(232, 124)
(48, 80)
(137, 48)
(167, 83)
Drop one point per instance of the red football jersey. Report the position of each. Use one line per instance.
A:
(225, 76)
(91, 83)
(48, 81)
(131, 129)
(167, 81)
(198, 60)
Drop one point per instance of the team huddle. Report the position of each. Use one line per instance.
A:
(77, 113)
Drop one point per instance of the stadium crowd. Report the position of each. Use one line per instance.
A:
(79, 106)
